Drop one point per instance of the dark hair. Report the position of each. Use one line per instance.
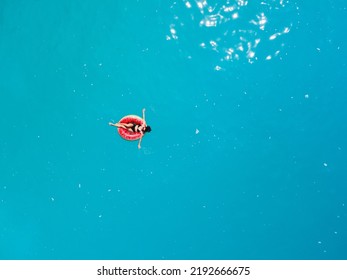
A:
(148, 129)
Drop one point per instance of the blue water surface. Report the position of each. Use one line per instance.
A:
(247, 154)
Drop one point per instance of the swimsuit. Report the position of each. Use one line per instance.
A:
(135, 128)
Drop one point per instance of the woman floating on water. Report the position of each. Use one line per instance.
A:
(132, 127)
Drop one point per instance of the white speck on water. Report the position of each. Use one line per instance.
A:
(319, 242)
(109, 190)
(52, 199)
(306, 96)
(325, 164)
(100, 216)
(250, 54)
(79, 186)
(188, 5)
(197, 131)
(272, 37)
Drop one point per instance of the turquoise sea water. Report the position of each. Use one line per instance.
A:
(247, 154)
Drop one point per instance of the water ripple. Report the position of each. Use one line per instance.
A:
(234, 29)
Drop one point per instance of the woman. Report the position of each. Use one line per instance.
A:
(134, 127)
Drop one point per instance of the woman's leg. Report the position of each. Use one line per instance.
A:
(114, 124)
(128, 125)
(119, 125)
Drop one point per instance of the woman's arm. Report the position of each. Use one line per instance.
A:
(143, 115)
(139, 145)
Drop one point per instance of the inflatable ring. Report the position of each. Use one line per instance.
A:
(130, 135)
